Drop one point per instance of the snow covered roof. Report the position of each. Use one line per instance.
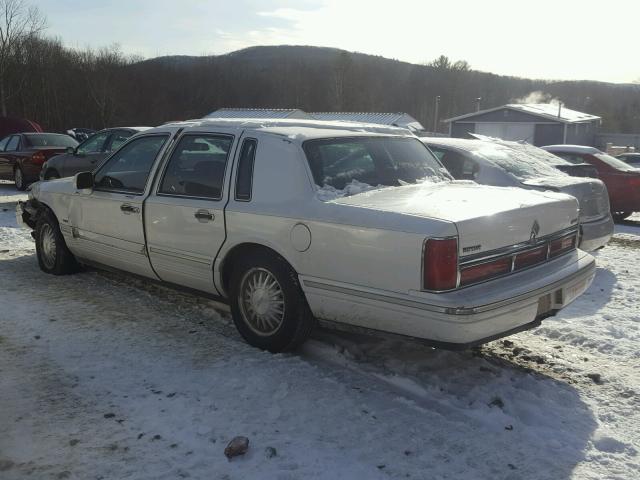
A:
(259, 113)
(400, 119)
(294, 128)
(548, 111)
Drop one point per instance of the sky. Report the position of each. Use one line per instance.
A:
(554, 39)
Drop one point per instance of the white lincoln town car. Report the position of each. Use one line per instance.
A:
(294, 222)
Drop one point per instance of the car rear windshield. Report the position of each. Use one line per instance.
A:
(50, 140)
(614, 162)
(375, 161)
(519, 162)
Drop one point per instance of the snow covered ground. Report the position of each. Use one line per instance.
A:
(105, 377)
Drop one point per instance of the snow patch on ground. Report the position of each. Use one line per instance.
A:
(103, 376)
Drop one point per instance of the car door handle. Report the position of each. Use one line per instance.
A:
(126, 208)
(204, 216)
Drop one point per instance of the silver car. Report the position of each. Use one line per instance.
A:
(498, 164)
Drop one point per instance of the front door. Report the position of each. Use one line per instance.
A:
(107, 221)
(184, 216)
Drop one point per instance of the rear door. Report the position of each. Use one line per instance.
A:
(184, 215)
(106, 222)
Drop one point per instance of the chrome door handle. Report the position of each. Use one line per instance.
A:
(126, 208)
(203, 216)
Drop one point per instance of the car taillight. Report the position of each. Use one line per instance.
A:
(440, 269)
(562, 245)
(484, 271)
(530, 257)
(38, 157)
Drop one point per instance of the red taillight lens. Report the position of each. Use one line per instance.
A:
(531, 257)
(484, 271)
(38, 157)
(562, 245)
(440, 269)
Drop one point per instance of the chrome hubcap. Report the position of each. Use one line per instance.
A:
(48, 243)
(261, 301)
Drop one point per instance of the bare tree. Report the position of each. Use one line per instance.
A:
(18, 23)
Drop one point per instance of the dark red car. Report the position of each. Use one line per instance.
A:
(22, 155)
(622, 180)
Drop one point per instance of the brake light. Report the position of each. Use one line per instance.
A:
(38, 157)
(530, 257)
(562, 245)
(484, 271)
(440, 269)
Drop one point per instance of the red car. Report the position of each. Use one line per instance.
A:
(622, 180)
(22, 155)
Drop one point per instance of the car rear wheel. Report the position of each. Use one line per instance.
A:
(18, 178)
(620, 216)
(53, 255)
(267, 303)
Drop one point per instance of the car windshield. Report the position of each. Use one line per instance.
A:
(613, 162)
(519, 162)
(50, 140)
(372, 161)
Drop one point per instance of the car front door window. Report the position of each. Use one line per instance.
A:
(14, 141)
(128, 170)
(93, 145)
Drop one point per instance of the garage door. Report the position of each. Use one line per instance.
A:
(508, 131)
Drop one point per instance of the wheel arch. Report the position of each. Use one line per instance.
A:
(233, 254)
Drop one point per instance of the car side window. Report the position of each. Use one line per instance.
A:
(117, 139)
(459, 166)
(570, 157)
(196, 167)
(14, 141)
(128, 170)
(244, 177)
(3, 143)
(93, 144)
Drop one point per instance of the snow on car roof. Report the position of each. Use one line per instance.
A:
(571, 149)
(295, 128)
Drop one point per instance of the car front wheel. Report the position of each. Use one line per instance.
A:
(18, 178)
(53, 255)
(267, 303)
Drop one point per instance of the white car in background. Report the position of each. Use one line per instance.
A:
(510, 164)
(296, 221)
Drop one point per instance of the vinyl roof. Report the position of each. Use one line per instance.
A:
(548, 111)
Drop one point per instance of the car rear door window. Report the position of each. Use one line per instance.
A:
(244, 177)
(128, 170)
(93, 144)
(3, 143)
(13, 144)
(196, 167)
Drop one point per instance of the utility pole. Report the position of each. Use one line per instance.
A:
(478, 101)
(435, 114)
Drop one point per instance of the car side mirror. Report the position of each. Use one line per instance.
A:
(84, 180)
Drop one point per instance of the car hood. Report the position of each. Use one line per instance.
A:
(486, 217)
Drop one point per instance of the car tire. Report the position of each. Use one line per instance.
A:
(18, 178)
(53, 255)
(267, 303)
(620, 216)
(51, 174)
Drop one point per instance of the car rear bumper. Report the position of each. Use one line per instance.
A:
(463, 318)
(596, 234)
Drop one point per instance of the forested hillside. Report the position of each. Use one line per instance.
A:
(63, 88)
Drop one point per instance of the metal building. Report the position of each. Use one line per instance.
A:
(399, 119)
(536, 123)
(260, 113)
